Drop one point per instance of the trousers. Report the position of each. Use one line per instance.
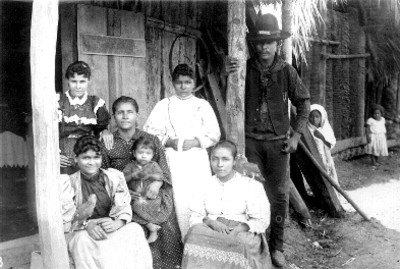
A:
(274, 166)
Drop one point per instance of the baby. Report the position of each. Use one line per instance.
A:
(138, 175)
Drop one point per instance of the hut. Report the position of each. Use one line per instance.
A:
(131, 46)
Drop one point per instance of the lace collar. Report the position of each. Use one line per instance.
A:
(76, 100)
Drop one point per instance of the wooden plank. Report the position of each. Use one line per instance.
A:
(114, 63)
(344, 144)
(218, 99)
(345, 56)
(153, 66)
(45, 133)
(69, 50)
(236, 81)
(134, 80)
(167, 88)
(93, 20)
(297, 203)
(109, 45)
(18, 252)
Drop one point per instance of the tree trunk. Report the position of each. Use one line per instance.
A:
(45, 133)
(236, 81)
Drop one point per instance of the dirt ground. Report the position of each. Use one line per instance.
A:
(350, 242)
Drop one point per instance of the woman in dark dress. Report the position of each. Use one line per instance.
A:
(167, 249)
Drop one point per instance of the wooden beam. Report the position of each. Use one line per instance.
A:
(324, 41)
(45, 133)
(111, 45)
(344, 144)
(236, 81)
(345, 56)
(172, 28)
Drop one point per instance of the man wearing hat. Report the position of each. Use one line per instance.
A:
(270, 83)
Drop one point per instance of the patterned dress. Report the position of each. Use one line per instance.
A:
(167, 249)
(77, 117)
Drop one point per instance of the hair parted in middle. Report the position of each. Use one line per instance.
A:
(226, 144)
(125, 99)
(182, 70)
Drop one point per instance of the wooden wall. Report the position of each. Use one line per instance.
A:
(342, 91)
(158, 43)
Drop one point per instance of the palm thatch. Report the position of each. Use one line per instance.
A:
(307, 19)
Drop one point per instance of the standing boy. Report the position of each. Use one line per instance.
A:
(270, 83)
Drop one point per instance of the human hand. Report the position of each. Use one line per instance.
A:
(190, 143)
(218, 226)
(231, 65)
(319, 135)
(290, 144)
(110, 225)
(65, 161)
(248, 169)
(172, 143)
(243, 227)
(134, 195)
(107, 138)
(96, 231)
(153, 189)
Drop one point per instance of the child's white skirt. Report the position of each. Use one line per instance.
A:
(377, 146)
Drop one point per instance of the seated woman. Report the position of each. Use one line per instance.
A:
(100, 236)
(228, 218)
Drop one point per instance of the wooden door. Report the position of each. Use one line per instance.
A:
(112, 42)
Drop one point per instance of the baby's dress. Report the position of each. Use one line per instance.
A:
(146, 210)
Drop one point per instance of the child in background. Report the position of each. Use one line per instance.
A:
(324, 138)
(138, 175)
(376, 135)
(80, 114)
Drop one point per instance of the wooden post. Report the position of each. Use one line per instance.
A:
(45, 133)
(287, 26)
(358, 69)
(236, 81)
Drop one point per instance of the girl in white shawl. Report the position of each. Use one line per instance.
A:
(186, 126)
(324, 138)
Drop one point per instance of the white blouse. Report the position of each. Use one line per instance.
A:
(184, 119)
(240, 199)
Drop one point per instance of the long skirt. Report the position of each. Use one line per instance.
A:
(188, 170)
(123, 249)
(208, 249)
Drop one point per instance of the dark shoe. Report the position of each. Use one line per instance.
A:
(277, 258)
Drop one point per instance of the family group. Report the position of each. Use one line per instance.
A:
(168, 196)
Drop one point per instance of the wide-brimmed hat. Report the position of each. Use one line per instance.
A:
(267, 28)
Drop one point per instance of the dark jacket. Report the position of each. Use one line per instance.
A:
(266, 100)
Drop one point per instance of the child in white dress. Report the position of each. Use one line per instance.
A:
(376, 135)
